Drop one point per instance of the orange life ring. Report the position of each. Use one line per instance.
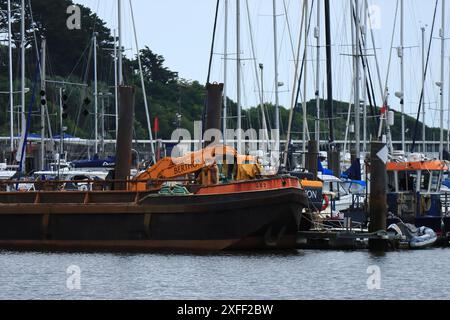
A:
(326, 202)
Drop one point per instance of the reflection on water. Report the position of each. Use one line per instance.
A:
(286, 275)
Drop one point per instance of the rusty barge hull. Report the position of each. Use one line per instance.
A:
(140, 221)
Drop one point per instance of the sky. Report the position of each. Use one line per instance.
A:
(181, 31)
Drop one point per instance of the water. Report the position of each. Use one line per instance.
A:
(288, 276)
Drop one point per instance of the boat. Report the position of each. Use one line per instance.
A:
(6, 172)
(258, 214)
(73, 179)
(226, 207)
(415, 193)
(344, 194)
(417, 238)
(173, 205)
(95, 164)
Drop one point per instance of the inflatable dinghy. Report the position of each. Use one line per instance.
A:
(422, 237)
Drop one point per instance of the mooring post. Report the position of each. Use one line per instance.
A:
(352, 155)
(334, 162)
(124, 136)
(312, 158)
(378, 186)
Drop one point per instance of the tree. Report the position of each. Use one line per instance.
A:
(154, 69)
(47, 18)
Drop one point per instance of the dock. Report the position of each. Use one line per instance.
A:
(336, 239)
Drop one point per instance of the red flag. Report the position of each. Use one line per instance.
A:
(384, 109)
(156, 125)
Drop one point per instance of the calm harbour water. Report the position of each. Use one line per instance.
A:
(291, 276)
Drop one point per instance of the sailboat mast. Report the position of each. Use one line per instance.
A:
(317, 36)
(119, 20)
(275, 48)
(94, 39)
(329, 70)
(424, 146)
(43, 106)
(102, 128)
(364, 81)
(305, 82)
(225, 74)
(448, 120)
(61, 130)
(116, 84)
(441, 84)
(357, 82)
(11, 85)
(238, 74)
(402, 69)
(261, 99)
(22, 87)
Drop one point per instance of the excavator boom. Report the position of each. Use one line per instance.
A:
(172, 168)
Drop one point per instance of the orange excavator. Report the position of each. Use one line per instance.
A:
(201, 166)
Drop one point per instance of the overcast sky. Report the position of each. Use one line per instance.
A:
(181, 31)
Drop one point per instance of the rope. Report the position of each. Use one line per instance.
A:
(213, 41)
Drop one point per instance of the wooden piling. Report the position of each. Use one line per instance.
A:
(378, 187)
(124, 136)
(334, 162)
(312, 158)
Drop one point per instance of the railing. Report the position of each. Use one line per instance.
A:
(80, 185)
(445, 203)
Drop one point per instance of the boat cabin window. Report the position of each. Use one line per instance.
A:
(354, 187)
(407, 181)
(430, 181)
(425, 181)
(435, 181)
(335, 187)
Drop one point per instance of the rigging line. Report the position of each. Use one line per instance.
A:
(369, 82)
(296, 75)
(39, 69)
(303, 62)
(34, 36)
(147, 114)
(329, 74)
(291, 41)
(85, 89)
(249, 120)
(30, 111)
(416, 125)
(377, 64)
(390, 53)
(280, 52)
(385, 94)
(94, 28)
(79, 61)
(258, 85)
(349, 112)
(212, 42)
(211, 55)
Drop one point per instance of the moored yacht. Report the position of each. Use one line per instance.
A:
(415, 195)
